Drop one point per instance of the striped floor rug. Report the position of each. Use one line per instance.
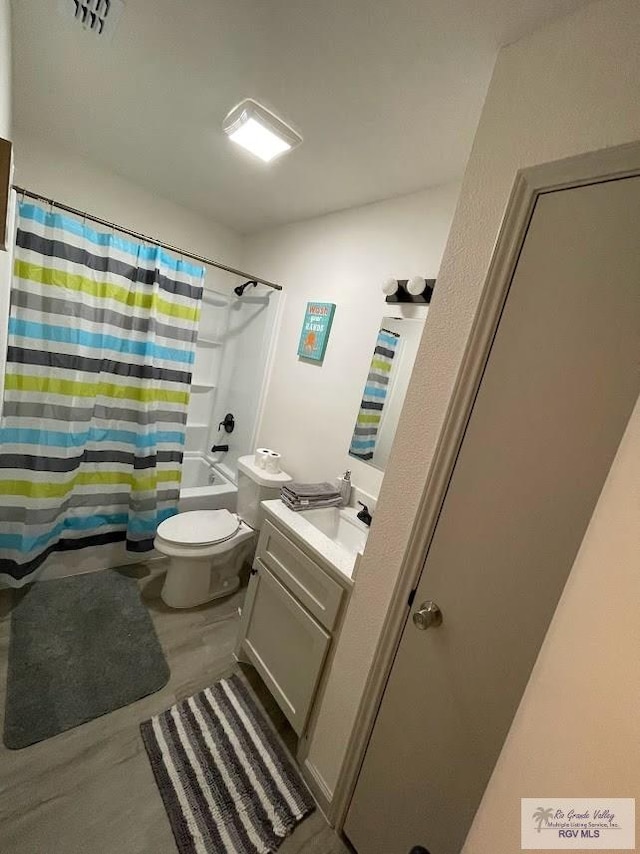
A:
(227, 782)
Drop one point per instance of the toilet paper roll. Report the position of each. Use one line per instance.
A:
(260, 458)
(273, 462)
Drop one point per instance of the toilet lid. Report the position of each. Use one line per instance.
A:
(199, 527)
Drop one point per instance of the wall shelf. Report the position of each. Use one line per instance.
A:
(200, 387)
(220, 300)
(208, 342)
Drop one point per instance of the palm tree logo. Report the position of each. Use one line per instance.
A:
(542, 815)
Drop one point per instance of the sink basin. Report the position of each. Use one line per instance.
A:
(340, 525)
(334, 534)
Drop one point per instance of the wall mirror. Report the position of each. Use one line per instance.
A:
(385, 387)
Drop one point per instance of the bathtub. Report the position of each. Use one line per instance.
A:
(204, 487)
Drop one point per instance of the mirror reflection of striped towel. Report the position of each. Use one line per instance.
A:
(365, 433)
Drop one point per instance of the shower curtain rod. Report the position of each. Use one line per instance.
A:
(209, 261)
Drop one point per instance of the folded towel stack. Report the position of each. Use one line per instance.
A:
(308, 496)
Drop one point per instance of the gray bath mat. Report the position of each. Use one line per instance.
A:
(80, 647)
(227, 782)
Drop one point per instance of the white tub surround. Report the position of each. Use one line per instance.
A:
(233, 358)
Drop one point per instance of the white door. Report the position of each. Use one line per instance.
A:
(559, 386)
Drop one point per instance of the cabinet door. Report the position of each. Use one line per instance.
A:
(284, 643)
(301, 575)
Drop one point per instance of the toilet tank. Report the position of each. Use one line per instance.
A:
(256, 485)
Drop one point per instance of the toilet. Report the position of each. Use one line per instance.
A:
(207, 548)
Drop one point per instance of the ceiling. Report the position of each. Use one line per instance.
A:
(387, 95)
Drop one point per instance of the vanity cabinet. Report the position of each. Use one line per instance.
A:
(291, 608)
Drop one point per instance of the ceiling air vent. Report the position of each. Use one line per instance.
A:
(96, 16)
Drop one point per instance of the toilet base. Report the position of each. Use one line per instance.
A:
(193, 581)
(188, 597)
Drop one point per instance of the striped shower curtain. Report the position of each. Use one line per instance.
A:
(365, 433)
(100, 352)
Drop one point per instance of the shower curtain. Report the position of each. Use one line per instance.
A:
(365, 433)
(100, 351)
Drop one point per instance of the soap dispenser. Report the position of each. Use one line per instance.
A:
(344, 488)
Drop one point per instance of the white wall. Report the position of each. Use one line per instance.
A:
(341, 258)
(61, 175)
(5, 69)
(569, 88)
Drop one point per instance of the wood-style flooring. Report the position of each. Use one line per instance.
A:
(90, 790)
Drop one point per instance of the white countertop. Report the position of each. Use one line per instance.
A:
(330, 553)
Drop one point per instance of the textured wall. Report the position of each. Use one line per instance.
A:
(569, 88)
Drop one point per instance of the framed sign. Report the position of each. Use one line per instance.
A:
(315, 330)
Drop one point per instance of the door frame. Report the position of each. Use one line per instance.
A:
(595, 167)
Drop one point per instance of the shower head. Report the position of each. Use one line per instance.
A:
(240, 289)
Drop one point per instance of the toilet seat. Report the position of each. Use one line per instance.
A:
(199, 528)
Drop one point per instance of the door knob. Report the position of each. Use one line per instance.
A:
(427, 616)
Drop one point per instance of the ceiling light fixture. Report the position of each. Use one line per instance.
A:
(258, 130)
